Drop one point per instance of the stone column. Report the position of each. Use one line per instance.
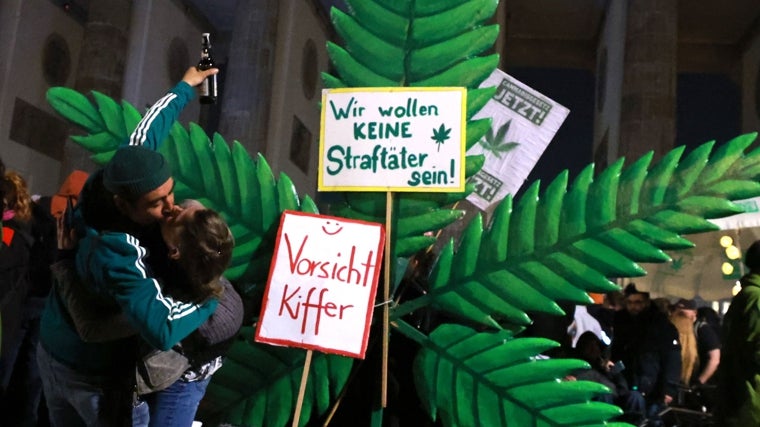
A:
(648, 110)
(248, 83)
(101, 64)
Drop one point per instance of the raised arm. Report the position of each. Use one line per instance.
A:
(154, 127)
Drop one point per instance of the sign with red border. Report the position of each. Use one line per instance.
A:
(322, 282)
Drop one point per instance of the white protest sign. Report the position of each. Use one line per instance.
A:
(523, 123)
(322, 282)
(392, 139)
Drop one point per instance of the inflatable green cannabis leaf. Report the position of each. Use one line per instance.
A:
(550, 245)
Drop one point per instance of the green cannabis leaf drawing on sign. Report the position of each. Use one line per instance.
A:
(440, 135)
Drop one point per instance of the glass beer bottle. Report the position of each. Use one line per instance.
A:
(208, 87)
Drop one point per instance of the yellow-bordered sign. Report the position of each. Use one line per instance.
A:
(393, 139)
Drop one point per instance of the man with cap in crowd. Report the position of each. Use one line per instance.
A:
(738, 391)
(647, 344)
(120, 205)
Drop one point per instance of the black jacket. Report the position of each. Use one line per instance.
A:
(649, 348)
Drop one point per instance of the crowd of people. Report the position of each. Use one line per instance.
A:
(665, 362)
(114, 307)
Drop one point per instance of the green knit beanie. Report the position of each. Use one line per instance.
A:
(135, 171)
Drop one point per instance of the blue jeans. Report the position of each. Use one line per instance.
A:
(140, 415)
(75, 399)
(175, 406)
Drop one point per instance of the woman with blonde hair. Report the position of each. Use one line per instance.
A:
(688, 341)
(17, 202)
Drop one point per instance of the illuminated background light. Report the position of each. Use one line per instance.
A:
(737, 287)
(727, 268)
(732, 252)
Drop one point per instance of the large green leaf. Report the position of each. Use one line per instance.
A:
(493, 379)
(104, 122)
(76, 108)
(526, 259)
(258, 385)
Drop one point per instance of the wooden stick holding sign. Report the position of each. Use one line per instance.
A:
(302, 388)
(321, 289)
(392, 139)
(386, 299)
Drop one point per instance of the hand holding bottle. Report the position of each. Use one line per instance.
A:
(193, 76)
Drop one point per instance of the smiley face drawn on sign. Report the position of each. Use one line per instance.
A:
(332, 228)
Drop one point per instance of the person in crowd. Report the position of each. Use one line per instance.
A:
(116, 218)
(688, 340)
(707, 316)
(191, 280)
(22, 407)
(14, 268)
(173, 382)
(739, 371)
(592, 350)
(702, 382)
(708, 344)
(647, 344)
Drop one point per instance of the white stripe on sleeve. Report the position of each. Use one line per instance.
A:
(140, 133)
